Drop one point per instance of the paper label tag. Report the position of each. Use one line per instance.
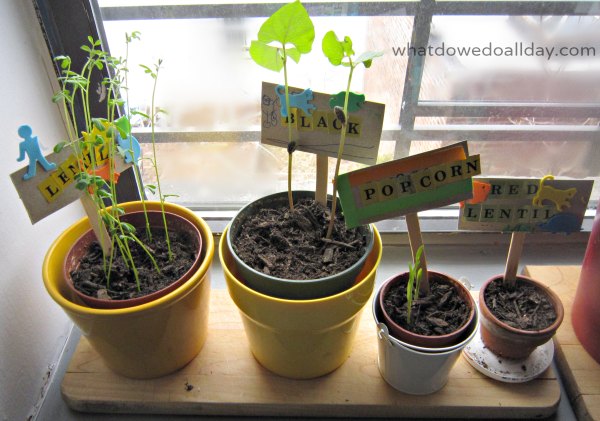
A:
(425, 181)
(526, 204)
(315, 128)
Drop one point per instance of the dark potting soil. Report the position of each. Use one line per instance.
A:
(441, 312)
(524, 307)
(89, 277)
(291, 244)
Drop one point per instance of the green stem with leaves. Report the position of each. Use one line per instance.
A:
(154, 75)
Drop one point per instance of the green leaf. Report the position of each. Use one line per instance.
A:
(124, 126)
(367, 58)
(266, 56)
(130, 229)
(294, 54)
(98, 124)
(59, 147)
(289, 25)
(81, 185)
(332, 48)
(140, 114)
(103, 194)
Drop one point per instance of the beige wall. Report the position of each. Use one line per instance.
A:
(33, 329)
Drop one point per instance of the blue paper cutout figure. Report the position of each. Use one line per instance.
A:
(300, 100)
(355, 101)
(135, 147)
(31, 147)
(562, 222)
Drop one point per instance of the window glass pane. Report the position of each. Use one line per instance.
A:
(517, 59)
(210, 87)
(513, 58)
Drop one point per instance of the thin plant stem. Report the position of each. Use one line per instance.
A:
(339, 157)
(287, 106)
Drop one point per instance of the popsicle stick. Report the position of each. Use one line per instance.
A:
(416, 241)
(322, 181)
(99, 229)
(514, 254)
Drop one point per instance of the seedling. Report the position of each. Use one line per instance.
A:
(292, 32)
(341, 53)
(415, 274)
(99, 136)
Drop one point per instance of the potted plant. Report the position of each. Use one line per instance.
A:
(517, 316)
(145, 262)
(422, 330)
(300, 324)
(290, 246)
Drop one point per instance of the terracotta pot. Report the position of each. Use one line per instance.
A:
(511, 342)
(292, 288)
(148, 340)
(301, 339)
(586, 311)
(439, 341)
(137, 219)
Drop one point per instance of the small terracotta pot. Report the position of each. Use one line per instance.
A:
(137, 219)
(439, 341)
(510, 342)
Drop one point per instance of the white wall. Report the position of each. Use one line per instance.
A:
(33, 329)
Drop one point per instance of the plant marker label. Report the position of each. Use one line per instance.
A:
(408, 185)
(315, 128)
(44, 192)
(526, 205)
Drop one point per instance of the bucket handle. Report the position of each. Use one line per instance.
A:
(383, 333)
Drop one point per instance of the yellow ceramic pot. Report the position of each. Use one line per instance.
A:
(148, 340)
(301, 339)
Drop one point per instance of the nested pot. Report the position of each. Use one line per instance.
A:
(147, 340)
(415, 369)
(186, 231)
(428, 341)
(302, 289)
(301, 339)
(509, 341)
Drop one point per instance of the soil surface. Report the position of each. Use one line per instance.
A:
(89, 277)
(441, 312)
(525, 307)
(291, 244)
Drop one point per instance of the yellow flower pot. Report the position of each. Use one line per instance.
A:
(148, 340)
(301, 339)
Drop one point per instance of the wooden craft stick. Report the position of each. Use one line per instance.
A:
(322, 179)
(99, 228)
(414, 236)
(514, 254)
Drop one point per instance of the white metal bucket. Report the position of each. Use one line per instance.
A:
(412, 369)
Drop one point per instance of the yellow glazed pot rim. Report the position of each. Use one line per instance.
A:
(299, 302)
(57, 251)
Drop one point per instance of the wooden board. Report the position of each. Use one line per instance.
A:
(580, 372)
(227, 380)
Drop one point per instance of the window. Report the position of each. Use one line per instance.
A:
(528, 112)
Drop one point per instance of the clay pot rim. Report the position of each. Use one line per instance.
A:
(558, 307)
(103, 304)
(303, 284)
(459, 332)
